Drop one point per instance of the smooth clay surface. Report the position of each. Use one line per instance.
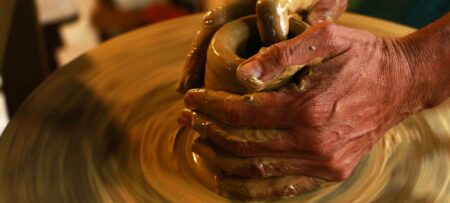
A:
(231, 45)
(103, 129)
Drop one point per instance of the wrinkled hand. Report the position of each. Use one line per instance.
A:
(320, 127)
(314, 10)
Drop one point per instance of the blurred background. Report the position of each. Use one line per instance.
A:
(39, 36)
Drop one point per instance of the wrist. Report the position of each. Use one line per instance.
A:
(401, 79)
(428, 55)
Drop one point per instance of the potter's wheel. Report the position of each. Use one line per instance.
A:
(103, 129)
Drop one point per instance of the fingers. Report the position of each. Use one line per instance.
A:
(258, 110)
(221, 159)
(326, 10)
(242, 142)
(321, 41)
(273, 18)
(261, 167)
(277, 154)
(269, 188)
(273, 21)
(193, 72)
(340, 157)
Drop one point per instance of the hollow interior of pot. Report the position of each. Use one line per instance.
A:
(248, 44)
(230, 46)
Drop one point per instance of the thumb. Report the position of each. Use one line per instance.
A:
(282, 60)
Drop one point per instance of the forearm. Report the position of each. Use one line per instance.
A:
(428, 53)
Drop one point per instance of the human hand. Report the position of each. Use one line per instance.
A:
(326, 10)
(323, 125)
(276, 19)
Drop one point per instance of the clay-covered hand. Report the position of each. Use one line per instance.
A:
(273, 15)
(274, 12)
(323, 125)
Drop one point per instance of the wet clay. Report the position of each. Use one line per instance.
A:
(231, 45)
(195, 63)
(111, 135)
(273, 25)
(273, 18)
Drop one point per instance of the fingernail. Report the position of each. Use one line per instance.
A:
(249, 69)
(185, 118)
(193, 98)
(248, 74)
(189, 100)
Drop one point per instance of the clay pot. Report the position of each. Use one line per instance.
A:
(230, 46)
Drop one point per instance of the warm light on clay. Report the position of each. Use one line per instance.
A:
(230, 46)
(111, 135)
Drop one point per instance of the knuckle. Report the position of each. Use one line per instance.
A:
(337, 169)
(342, 173)
(338, 172)
(327, 29)
(318, 148)
(323, 149)
(282, 54)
